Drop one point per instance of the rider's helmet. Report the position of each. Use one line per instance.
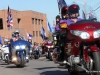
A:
(74, 10)
(57, 19)
(17, 32)
(64, 12)
(6, 40)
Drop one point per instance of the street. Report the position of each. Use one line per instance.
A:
(41, 66)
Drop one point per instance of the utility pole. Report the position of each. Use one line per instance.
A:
(85, 8)
(74, 1)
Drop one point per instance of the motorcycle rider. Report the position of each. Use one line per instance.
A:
(17, 35)
(30, 45)
(45, 42)
(73, 11)
(36, 47)
(5, 42)
(57, 19)
(64, 16)
(73, 14)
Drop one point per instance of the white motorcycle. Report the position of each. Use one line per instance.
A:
(4, 53)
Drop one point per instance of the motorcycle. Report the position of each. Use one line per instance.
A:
(19, 53)
(36, 53)
(4, 53)
(82, 47)
(49, 52)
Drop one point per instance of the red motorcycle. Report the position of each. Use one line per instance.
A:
(82, 47)
(49, 51)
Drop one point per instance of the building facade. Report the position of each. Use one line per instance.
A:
(26, 21)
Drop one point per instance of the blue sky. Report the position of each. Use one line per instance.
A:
(48, 7)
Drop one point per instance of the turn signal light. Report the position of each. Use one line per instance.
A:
(63, 25)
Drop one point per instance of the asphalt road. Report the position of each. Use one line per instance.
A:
(41, 66)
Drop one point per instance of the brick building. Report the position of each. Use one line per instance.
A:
(27, 21)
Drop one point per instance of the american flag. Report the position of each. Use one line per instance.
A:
(29, 36)
(9, 19)
(91, 15)
(84, 15)
(43, 33)
(54, 24)
(61, 4)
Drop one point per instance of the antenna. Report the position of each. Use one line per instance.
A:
(74, 1)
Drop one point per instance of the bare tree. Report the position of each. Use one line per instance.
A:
(50, 36)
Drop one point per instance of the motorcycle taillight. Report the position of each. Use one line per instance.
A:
(63, 30)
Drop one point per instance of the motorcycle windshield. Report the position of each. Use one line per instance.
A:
(22, 37)
(87, 12)
(19, 42)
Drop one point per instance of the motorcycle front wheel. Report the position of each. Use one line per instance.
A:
(96, 63)
(8, 60)
(22, 63)
(50, 56)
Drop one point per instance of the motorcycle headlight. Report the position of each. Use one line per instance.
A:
(17, 47)
(96, 34)
(83, 35)
(54, 38)
(23, 47)
(48, 46)
(52, 46)
(30, 51)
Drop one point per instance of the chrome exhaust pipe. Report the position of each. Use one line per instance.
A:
(81, 68)
(64, 63)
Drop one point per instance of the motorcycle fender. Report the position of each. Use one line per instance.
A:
(90, 49)
(21, 53)
(94, 49)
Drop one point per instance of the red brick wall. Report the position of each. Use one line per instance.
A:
(25, 23)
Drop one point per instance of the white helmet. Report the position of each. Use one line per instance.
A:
(6, 40)
(16, 31)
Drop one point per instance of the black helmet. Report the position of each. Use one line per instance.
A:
(64, 10)
(74, 8)
(58, 17)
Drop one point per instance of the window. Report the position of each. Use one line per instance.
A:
(39, 33)
(39, 21)
(33, 33)
(18, 20)
(1, 23)
(32, 20)
(35, 21)
(42, 22)
(36, 33)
